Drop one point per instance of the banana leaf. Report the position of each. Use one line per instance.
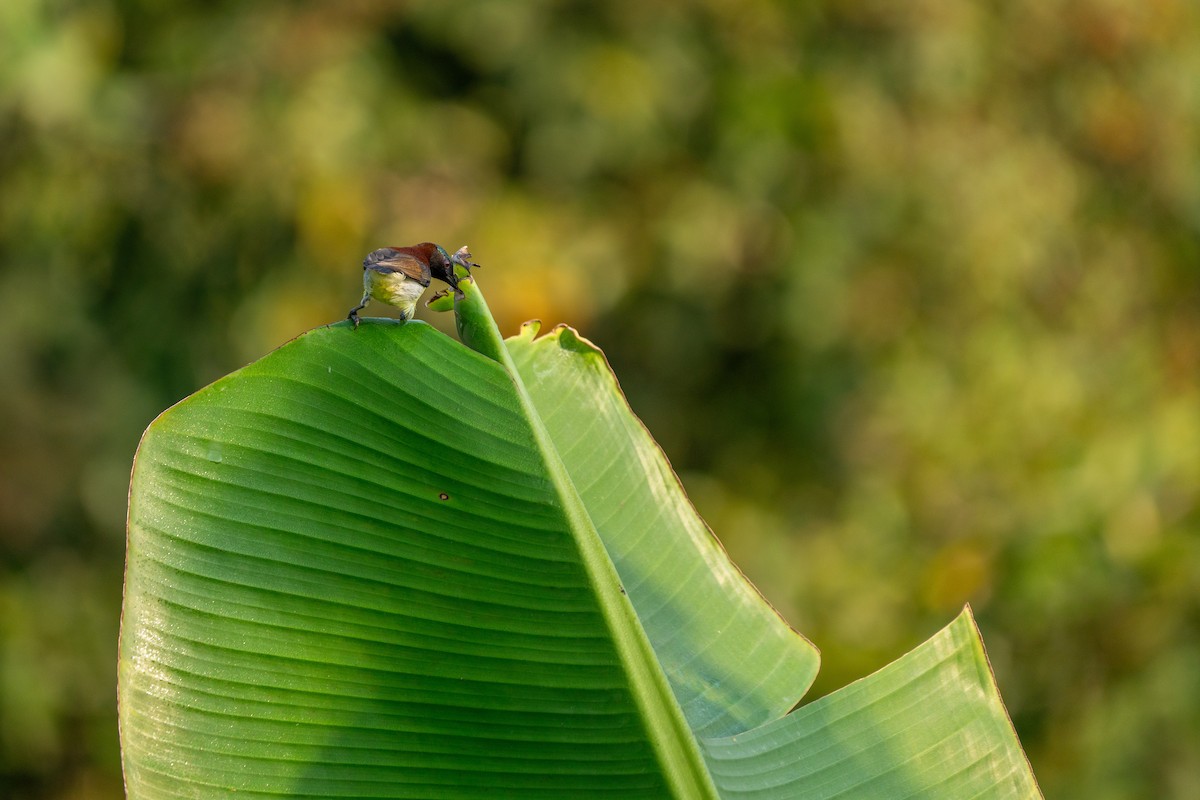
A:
(381, 563)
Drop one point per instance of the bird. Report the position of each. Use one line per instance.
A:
(399, 275)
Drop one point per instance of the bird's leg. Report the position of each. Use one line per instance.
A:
(353, 315)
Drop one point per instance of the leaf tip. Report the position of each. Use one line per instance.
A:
(442, 301)
(569, 339)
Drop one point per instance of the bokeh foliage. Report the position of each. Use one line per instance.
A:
(908, 292)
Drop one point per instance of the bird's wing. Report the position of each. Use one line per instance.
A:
(402, 262)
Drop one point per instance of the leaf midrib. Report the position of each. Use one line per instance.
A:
(678, 753)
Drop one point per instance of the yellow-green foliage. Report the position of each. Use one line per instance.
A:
(908, 292)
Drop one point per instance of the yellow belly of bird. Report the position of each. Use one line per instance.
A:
(395, 289)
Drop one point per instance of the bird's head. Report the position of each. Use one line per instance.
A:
(441, 263)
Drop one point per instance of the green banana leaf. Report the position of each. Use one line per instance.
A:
(380, 563)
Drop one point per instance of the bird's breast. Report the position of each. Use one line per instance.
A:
(394, 288)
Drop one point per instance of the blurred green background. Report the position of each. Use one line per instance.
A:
(909, 292)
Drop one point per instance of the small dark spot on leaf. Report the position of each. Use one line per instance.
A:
(443, 496)
(622, 590)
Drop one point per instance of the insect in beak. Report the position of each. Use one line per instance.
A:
(462, 257)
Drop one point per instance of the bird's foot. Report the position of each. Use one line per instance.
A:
(353, 315)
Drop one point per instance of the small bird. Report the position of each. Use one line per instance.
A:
(399, 275)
